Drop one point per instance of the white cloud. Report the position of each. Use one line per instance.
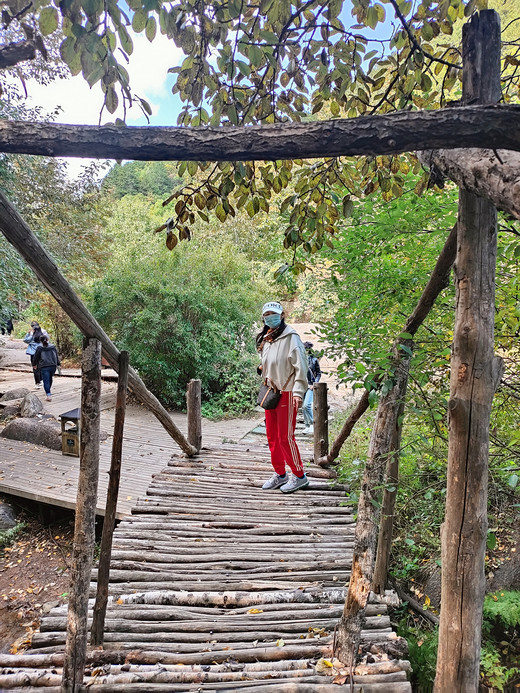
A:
(81, 105)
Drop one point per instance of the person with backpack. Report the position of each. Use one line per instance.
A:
(46, 359)
(313, 376)
(32, 339)
(284, 367)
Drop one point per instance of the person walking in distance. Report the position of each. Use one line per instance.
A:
(313, 376)
(32, 339)
(284, 365)
(47, 360)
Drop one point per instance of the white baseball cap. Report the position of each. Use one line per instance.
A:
(272, 307)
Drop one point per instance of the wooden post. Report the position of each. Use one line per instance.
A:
(386, 524)
(348, 634)
(19, 235)
(193, 405)
(320, 410)
(474, 373)
(84, 528)
(100, 606)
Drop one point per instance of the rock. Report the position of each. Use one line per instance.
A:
(9, 412)
(49, 606)
(7, 516)
(46, 433)
(31, 406)
(17, 393)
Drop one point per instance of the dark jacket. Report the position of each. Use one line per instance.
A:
(46, 357)
(314, 372)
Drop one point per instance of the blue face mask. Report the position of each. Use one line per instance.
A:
(273, 320)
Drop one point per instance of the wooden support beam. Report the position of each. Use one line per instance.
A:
(321, 420)
(84, 528)
(193, 406)
(100, 606)
(348, 634)
(19, 235)
(474, 375)
(492, 127)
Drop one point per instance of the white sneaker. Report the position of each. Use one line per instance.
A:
(294, 484)
(275, 481)
(309, 430)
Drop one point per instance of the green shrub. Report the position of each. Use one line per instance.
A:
(185, 314)
(9, 536)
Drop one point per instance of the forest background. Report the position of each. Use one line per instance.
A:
(189, 309)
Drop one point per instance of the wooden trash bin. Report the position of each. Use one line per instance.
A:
(70, 432)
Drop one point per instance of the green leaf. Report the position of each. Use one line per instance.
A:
(512, 482)
(151, 28)
(491, 541)
(48, 20)
(139, 21)
(111, 99)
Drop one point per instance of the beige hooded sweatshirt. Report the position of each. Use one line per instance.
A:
(283, 357)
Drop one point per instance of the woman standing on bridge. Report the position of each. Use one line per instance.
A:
(284, 365)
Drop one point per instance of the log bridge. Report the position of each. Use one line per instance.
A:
(217, 585)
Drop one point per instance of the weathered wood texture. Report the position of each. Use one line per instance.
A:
(386, 523)
(438, 281)
(491, 174)
(472, 385)
(193, 413)
(220, 585)
(472, 126)
(321, 420)
(20, 236)
(84, 527)
(96, 636)
(360, 585)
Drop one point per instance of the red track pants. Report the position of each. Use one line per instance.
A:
(280, 424)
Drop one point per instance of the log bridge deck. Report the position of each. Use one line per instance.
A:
(217, 585)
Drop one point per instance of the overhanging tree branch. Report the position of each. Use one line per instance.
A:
(493, 127)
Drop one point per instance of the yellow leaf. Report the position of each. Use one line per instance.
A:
(255, 611)
(280, 642)
(119, 601)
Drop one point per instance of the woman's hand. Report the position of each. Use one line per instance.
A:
(298, 401)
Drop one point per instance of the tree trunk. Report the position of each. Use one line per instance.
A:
(109, 522)
(349, 631)
(386, 525)
(321, 420)
(84, 528)
(19, 235)
(437, 282)
(472, 126)
(473, 374)
(484, 172)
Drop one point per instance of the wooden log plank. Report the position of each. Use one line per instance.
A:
(471, 126)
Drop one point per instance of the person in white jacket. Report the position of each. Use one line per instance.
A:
(284, 365)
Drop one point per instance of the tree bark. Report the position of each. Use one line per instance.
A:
(15, 53)
(474, 373)
(349, 631)
(193, 413)
(493, 127)
(19, 235)
(84, 528)
(321, 420)
(438, 281)
(493, 175)
(386, 525)
(100, 607)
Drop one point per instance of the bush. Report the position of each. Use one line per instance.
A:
(185, 314)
